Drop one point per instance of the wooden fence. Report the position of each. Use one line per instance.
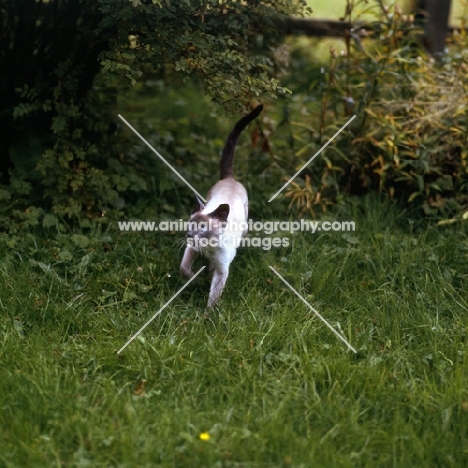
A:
(431, 15)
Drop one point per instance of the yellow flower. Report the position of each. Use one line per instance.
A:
(204, 436)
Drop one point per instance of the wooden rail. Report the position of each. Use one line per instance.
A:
(333, 28)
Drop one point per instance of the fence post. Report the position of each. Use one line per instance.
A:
(435, 15)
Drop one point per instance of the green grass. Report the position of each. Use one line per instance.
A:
(265, 378)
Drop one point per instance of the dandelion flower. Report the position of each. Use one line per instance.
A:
(204, 436)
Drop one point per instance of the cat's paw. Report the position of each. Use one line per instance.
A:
(212, 303)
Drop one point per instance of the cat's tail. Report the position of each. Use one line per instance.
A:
(227, 159)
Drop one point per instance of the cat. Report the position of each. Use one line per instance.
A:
(215, 229)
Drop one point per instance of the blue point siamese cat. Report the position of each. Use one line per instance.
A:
(215, 229)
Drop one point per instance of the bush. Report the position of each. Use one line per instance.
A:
(408, 140)
(64, 62)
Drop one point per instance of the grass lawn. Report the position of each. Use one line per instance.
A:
(259, 383)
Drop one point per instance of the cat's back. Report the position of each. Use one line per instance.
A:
(225, 190)
(231, 192)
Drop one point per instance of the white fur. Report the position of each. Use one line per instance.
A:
(226, 191)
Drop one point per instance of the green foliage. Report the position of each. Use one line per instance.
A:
(58, 122)
(229, 44)
(409, 138)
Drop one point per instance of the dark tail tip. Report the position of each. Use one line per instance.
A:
(256, 112)
(228, 150)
